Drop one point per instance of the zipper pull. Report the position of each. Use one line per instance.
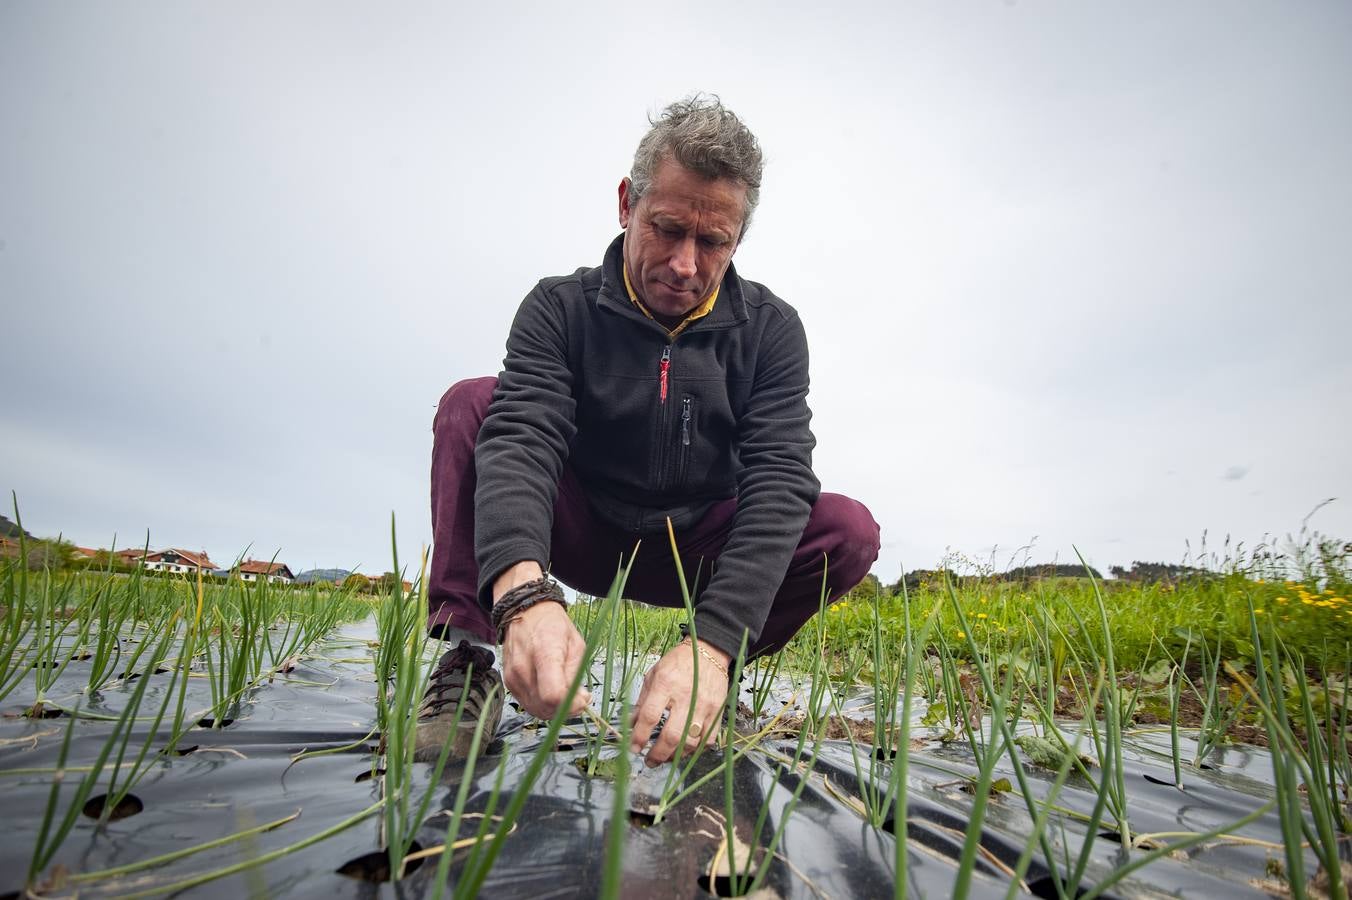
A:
(662, 371)
(685, 422)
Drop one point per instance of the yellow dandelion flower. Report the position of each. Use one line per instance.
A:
(981, 615)
(962, 634)
(1258, 612)
(1261, 581)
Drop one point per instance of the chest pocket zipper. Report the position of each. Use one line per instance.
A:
(684, 450)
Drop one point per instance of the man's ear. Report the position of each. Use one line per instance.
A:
(626, 209)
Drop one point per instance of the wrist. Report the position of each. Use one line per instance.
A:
(720, 655)
(514, 576)
(710, 654)
(517, 601)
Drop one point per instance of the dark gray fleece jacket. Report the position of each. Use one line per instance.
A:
(582, 383)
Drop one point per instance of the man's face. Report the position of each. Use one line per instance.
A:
(680, 237)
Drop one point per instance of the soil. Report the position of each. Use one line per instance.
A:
(1190, 712)
(838, 728)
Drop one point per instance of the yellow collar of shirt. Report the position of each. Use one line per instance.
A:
(698, 312)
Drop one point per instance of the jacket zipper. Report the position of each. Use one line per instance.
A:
(663, 368)
(685, 422)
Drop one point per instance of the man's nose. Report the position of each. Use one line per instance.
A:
(683, 259)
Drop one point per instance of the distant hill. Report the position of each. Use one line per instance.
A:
(10, 530)
(334, 575)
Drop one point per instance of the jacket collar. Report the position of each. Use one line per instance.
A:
(729, 311)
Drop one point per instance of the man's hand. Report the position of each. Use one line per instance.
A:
(542, 651)
(668, 686)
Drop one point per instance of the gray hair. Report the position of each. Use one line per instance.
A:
(704, 136)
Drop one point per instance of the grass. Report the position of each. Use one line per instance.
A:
(1315, 617)
(1259, 650)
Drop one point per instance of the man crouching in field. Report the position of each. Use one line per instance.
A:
(657, 384)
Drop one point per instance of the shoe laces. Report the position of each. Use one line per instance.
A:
(447, 682)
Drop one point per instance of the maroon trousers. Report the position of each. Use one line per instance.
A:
(586, 550)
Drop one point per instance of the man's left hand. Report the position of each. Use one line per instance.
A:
(668, 687)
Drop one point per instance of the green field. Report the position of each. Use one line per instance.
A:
(1032, 695)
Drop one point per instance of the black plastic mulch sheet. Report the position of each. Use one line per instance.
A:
(242, 776)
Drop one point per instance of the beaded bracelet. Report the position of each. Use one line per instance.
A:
(521, 598)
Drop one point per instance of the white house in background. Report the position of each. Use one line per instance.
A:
(176, 560)
(254, 569)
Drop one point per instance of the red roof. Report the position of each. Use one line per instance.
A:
(259, 567)
(196, 560)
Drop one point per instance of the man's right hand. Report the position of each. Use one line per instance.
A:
(541, 654)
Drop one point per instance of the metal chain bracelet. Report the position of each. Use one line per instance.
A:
(521, 598)
(713, 660)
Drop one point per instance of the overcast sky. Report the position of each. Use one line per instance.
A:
(1072, 272)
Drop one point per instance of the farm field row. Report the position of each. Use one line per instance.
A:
(1062, 737)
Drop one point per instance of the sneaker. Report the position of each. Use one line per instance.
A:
(436, 716)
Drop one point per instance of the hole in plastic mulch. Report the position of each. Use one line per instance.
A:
(374, 867)
(209, 722)
(1044, 886)
(367, 775)
(132, 676)
(43, 711)
(563, 746)
(1163, 782)
(884, 754)
(184, 751)
(641, 819)
(719, 885)
(128, 806)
